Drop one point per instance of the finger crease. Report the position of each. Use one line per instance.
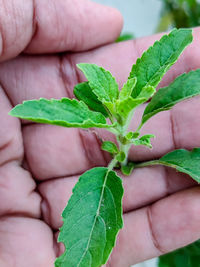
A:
(84, 146)
(68, 73)
(63, 75)
(167, 184)
(153, 235)
(2, 41)
(35, 26)
(172, 127)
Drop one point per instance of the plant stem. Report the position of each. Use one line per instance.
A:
(147, 163)
(112, 164)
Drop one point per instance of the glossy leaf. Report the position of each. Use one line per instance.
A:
(109, 147)
(183, 87)
(64, 112)
(156, 61)
(101, 81)
(92, 219)
(83, 92)
(184, 161)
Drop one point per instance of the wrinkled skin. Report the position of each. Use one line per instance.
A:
(39, 164)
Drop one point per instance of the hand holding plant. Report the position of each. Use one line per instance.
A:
(93, 215)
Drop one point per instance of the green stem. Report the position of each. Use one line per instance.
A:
(112, 164)
(147, 163)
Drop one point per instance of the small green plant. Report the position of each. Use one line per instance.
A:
(93, 215)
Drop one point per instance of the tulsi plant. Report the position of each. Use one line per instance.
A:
(93, 215)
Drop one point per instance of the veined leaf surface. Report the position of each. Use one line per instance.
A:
(156, 61)
(84, 93)
(92, 219)
(101, 81)
(185, 86)
(184, 161)
(64, 112)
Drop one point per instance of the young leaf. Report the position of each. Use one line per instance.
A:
(121, 156)
(145, 140)
(83, 92)
(156, 61)
(188, 256)
(92, 219)
(127, 169)
(109, 147)
(64, 112)
(124, 107)
(147, 92)
(127, 88)
(132, 135)
(101, 81)
(127, 103)
(185, 86)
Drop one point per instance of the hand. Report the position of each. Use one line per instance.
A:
(55, 157)
(38, 27)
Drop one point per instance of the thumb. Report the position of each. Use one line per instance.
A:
(50, 26)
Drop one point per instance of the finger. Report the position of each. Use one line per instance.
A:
(55, 26)
(16, 185)
(59, 74)
(119, 58)
(25, 242)
(55, 80)
(170, 223)
(138, 191)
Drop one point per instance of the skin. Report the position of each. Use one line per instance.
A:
(39, 164)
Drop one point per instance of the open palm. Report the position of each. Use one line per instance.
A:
(40, 164)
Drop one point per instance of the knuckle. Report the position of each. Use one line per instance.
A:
(16, 19)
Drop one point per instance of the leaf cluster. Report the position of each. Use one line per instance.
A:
(93, 215)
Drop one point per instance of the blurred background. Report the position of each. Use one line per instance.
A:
(142, 18)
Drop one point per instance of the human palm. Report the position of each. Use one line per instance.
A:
(40, 164)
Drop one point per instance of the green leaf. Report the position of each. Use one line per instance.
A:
(125, 37)
(124, 107)
(127, 103)
(185, 257)
(132, 135)
(92, 219)
(184, 161)
(121, 156)
(127, 88)
(83, 92)
(109, 147)
(185, 86)
(101, 81)
(127, 169)
(64, 112)
(156, 61)
(145, 140)
(147, 92)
